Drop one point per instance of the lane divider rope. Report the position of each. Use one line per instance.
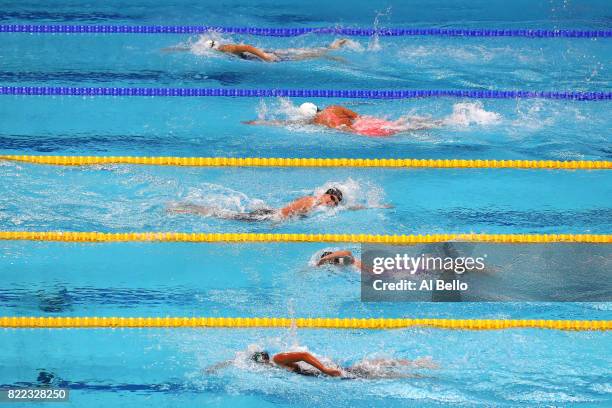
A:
(69, 236)
(310, 162)
(301, 323)
(293, 32)
(301, 93)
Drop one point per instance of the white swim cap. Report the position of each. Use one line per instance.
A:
(308, 109)
(211, 44)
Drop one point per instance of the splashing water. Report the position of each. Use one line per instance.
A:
(467, 113)
(355, 193)
(221, 198)
(284, 109)
(374, 44)
(198, 45)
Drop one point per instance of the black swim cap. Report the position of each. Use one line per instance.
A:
(335, 192)
(324, 254)
(260, 357)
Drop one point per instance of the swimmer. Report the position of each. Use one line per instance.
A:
(365, 369)
(341, 118)
(298, 208)
(249, 52)
(339, 258)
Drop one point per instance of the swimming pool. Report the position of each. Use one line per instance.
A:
(137, 198)
(163, 367)
(167, 367)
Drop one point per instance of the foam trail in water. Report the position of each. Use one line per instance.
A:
(219, 199)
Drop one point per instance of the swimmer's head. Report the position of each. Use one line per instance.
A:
(309, 110)
(335, 196)
(339, 260)
(334, 261)
(261, 357)
(214, 44)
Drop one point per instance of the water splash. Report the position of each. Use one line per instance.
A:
(354, 193)
(468, 113)
(221, 198)
(198, 46)
(374, 44)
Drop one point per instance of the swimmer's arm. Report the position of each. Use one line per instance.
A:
(289, 360)
(240, 48)
(299, 206)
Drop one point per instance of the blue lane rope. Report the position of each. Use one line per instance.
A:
(293, 32)
(301, 93)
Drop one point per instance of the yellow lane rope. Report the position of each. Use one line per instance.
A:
(64, 236)
(310, 162)
(303, 323)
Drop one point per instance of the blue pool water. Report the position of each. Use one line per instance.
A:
(165, 367)
(137, 198)
(168, 367)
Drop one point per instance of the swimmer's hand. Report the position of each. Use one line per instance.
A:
(339, 43)
(332, 372)
(271, 57)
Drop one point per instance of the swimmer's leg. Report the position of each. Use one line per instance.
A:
(204, 211)
(322, 52)
(335, 59)
(421, 123)
(187, 208)
(424, 362)
(219, 366)
(262, 214)
(178, 48)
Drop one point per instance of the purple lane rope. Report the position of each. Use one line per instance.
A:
(302, 93)
(293, 32)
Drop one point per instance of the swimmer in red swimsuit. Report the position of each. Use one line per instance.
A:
(341, 118)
